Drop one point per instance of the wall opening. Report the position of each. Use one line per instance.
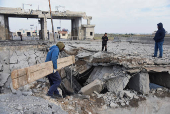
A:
(28, 34)
(160, 78)
(19, 33)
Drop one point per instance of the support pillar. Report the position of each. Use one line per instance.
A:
(76, 28)
(43, 29)
(4, 28)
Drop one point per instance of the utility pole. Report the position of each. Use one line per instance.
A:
(51, 20)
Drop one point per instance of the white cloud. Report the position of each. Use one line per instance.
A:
(120, 16)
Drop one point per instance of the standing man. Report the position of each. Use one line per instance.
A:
(54, 78)
(104, 42)
(159, 40)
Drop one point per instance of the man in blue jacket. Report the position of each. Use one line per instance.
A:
(159, 40)
(54, 78)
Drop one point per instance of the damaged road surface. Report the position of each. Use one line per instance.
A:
(122, 80)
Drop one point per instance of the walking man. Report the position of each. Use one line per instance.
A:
(159, 40)
(104, 42)
(54, 78)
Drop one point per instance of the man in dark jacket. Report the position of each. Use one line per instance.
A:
(54, 78)
(104, 42)
(159, 40)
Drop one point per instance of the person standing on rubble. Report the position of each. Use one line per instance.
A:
(54, 78)
(104, 42)
(159, 40)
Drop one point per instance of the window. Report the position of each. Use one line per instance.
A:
(91, 33)
(63, 34)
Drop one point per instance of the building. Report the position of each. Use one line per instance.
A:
(63, 34)
(87, 31)
(25, 33)
(42, 16)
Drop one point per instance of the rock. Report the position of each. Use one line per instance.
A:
(34, 91)
(127, 102)
(19, 107)
(135, 97)
(128, 94)
(140, 83)
(60, 91)
(96, 85)
(120, 94)
(12, 89)
(123, 104)
(104, 107)
(113, 105)
(98, 95)
(159, 89)
(29, 86)
(45, 90)
(38, 86)
(81, 96)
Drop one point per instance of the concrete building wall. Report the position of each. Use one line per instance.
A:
(64, 36)
(90, 33)
(16, 57)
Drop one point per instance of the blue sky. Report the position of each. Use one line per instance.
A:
(113, 16)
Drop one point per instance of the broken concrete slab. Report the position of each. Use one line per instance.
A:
(96, 85)
(140, 83)
(83, 55)
(99, 72)
(3, 78)
(117, 84)
(14, 59)
(21, 58)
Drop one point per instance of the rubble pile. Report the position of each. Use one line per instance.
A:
(101, 80)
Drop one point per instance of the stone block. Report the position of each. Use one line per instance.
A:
(96, 85)
(140, 83)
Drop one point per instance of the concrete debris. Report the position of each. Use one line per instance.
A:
(113, 105)
(3, 78)
(83, 55)
(99, 72)
(116, 70)
(11, 103)
(128, 94)
(140, 83)
(96, 85)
